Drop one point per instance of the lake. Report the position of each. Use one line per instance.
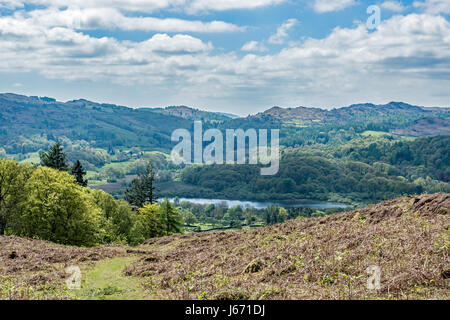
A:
(263, 205)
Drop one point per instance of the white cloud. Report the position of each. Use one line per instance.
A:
(282, 32)
(406, 58)
(434, 6)
(191, 6)
(394, 6)
(322, 6)
(222, 5)
(129, 5)
(254, 46)
(109, 18)
(180, 44)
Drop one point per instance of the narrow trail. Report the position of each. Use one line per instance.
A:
(106, 281)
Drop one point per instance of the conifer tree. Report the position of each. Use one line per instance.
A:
(78, 172)
(55, 158)
(171, 218)
(142, 189)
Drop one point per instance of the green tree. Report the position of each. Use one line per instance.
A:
(171, 218)
(188, 217)
(78, 172)
(58, 210)
(12, 182)
(117, 217)
(151, 221)
(275, 214)
(142, 189)
(55, 158)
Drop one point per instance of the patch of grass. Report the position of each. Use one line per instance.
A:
(106, 281)
(377, 134)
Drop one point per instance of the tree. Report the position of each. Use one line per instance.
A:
(55, 158)
(188, 217)
(142, 189)
(117, 218)
(275, 214)
(58, 210)
(12, 181)
(171, 218)
(78, 172)
(151, 221)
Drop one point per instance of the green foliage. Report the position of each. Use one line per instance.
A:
(142, 190)
(363, 170)
(78, 172)
(59, 210)
(151, 221)
(55, 158)
(117, 218)
(188, 217)
(275, 214)
(170, 218)
(49, 204)
(13, 178)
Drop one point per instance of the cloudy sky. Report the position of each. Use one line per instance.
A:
(238, 56)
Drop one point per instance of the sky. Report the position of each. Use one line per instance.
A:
(234, 56)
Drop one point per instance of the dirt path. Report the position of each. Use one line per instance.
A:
(106, 281)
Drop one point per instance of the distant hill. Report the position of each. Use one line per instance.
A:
(426, 127)
(194, 114)
(25, 121)
(352, 113)
(103, 125)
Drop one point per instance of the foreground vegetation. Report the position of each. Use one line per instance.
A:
(314, 258)
(50, 204)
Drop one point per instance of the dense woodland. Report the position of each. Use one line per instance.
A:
(365, 170)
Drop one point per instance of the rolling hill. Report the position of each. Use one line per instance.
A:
(24, 119)
(313, 258)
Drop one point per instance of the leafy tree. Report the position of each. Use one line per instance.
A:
(117, 218)
(12, 181)
(78, 172)
(142, 189)
(171, 218)
(58, 210)
(188, 217)
(55, 158)
(275, 214)
(151, 221)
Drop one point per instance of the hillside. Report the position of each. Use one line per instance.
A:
(103, 125)
(194, 114)
(28, 123)
(426, 127)
(315, 258)
(352, 113)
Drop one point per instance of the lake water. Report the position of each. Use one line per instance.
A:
(264, 205)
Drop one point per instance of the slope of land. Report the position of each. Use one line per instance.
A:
(27, 123)
(102, 124)
(426, 127)
(323, 258)
(352, 113)
(315, 258)
(194, 114)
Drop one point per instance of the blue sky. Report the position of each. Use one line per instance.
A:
(238, 56)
